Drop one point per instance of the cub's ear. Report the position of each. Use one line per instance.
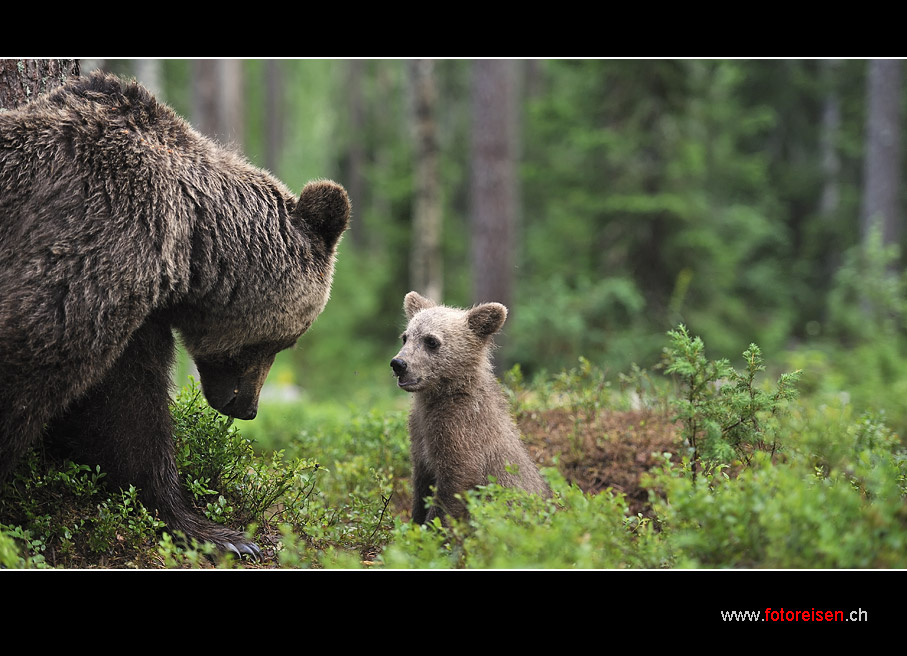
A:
(486, 319)
(414, 303)
(324, 207)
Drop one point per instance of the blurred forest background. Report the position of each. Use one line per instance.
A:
(604, 201)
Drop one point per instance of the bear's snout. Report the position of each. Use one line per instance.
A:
(405, 380)
(399, 367)
(233, 388)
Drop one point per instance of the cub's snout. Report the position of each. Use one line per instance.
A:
(404, 375)
(399, 367)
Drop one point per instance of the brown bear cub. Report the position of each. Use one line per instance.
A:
(460, 426)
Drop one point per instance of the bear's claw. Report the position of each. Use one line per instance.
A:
(248, 549)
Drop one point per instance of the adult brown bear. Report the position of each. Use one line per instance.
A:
(119, 223)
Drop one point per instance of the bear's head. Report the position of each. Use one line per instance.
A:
(444, 347)
(270, 300)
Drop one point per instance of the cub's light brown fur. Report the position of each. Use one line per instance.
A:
(461, 430)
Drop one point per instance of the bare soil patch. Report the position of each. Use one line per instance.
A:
(611, 449)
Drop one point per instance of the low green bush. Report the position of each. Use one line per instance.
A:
(725, 414)
(832, 498)
(512, 529)
(60, 514)
(788, 515)
(224, 474)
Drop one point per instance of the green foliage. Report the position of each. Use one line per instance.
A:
(867, 376)
(56, 513)
(656, 176)
(364, 464)
(859, 351)
(354, 340)
(869, 299)
(210, 454)
(122, 518)
(582, 388)
(833, 498)
(220, 470)
(560, 319)
(642, 388)
(223, 473)
(234, 485)
(724, 413)
(840, 442)
(510, 528)
(9, 553)
(789, 515)
(836, 499)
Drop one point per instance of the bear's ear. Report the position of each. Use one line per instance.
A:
(414, 303)
(486, 319)
(324, 207)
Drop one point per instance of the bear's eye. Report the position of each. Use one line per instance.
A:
(403, 337)
(432, 342)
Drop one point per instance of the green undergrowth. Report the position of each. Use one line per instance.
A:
(297, 508)
(764, 475)
(511, 529)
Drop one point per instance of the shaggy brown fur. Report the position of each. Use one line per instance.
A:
(119, 222)
(460, 426)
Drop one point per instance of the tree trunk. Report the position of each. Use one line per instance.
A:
(231, 101)
(274, 113)
(204, 96)
(426, 267)
(21, 79)
(882, 158)
(217, 99)
(148, 73)
(831, 126)
(493, 183)
(356, 152)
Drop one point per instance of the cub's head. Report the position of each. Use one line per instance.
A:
(444, 347)
(255, 311)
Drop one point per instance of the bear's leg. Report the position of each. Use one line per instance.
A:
(17, 434)
(28, 399)
(446, 501)
(422, 484)
(124, 425)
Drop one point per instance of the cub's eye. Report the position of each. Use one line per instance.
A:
(403, 337)
(432, 342)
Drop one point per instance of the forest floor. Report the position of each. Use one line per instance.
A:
(609, 449)
(593, 450)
